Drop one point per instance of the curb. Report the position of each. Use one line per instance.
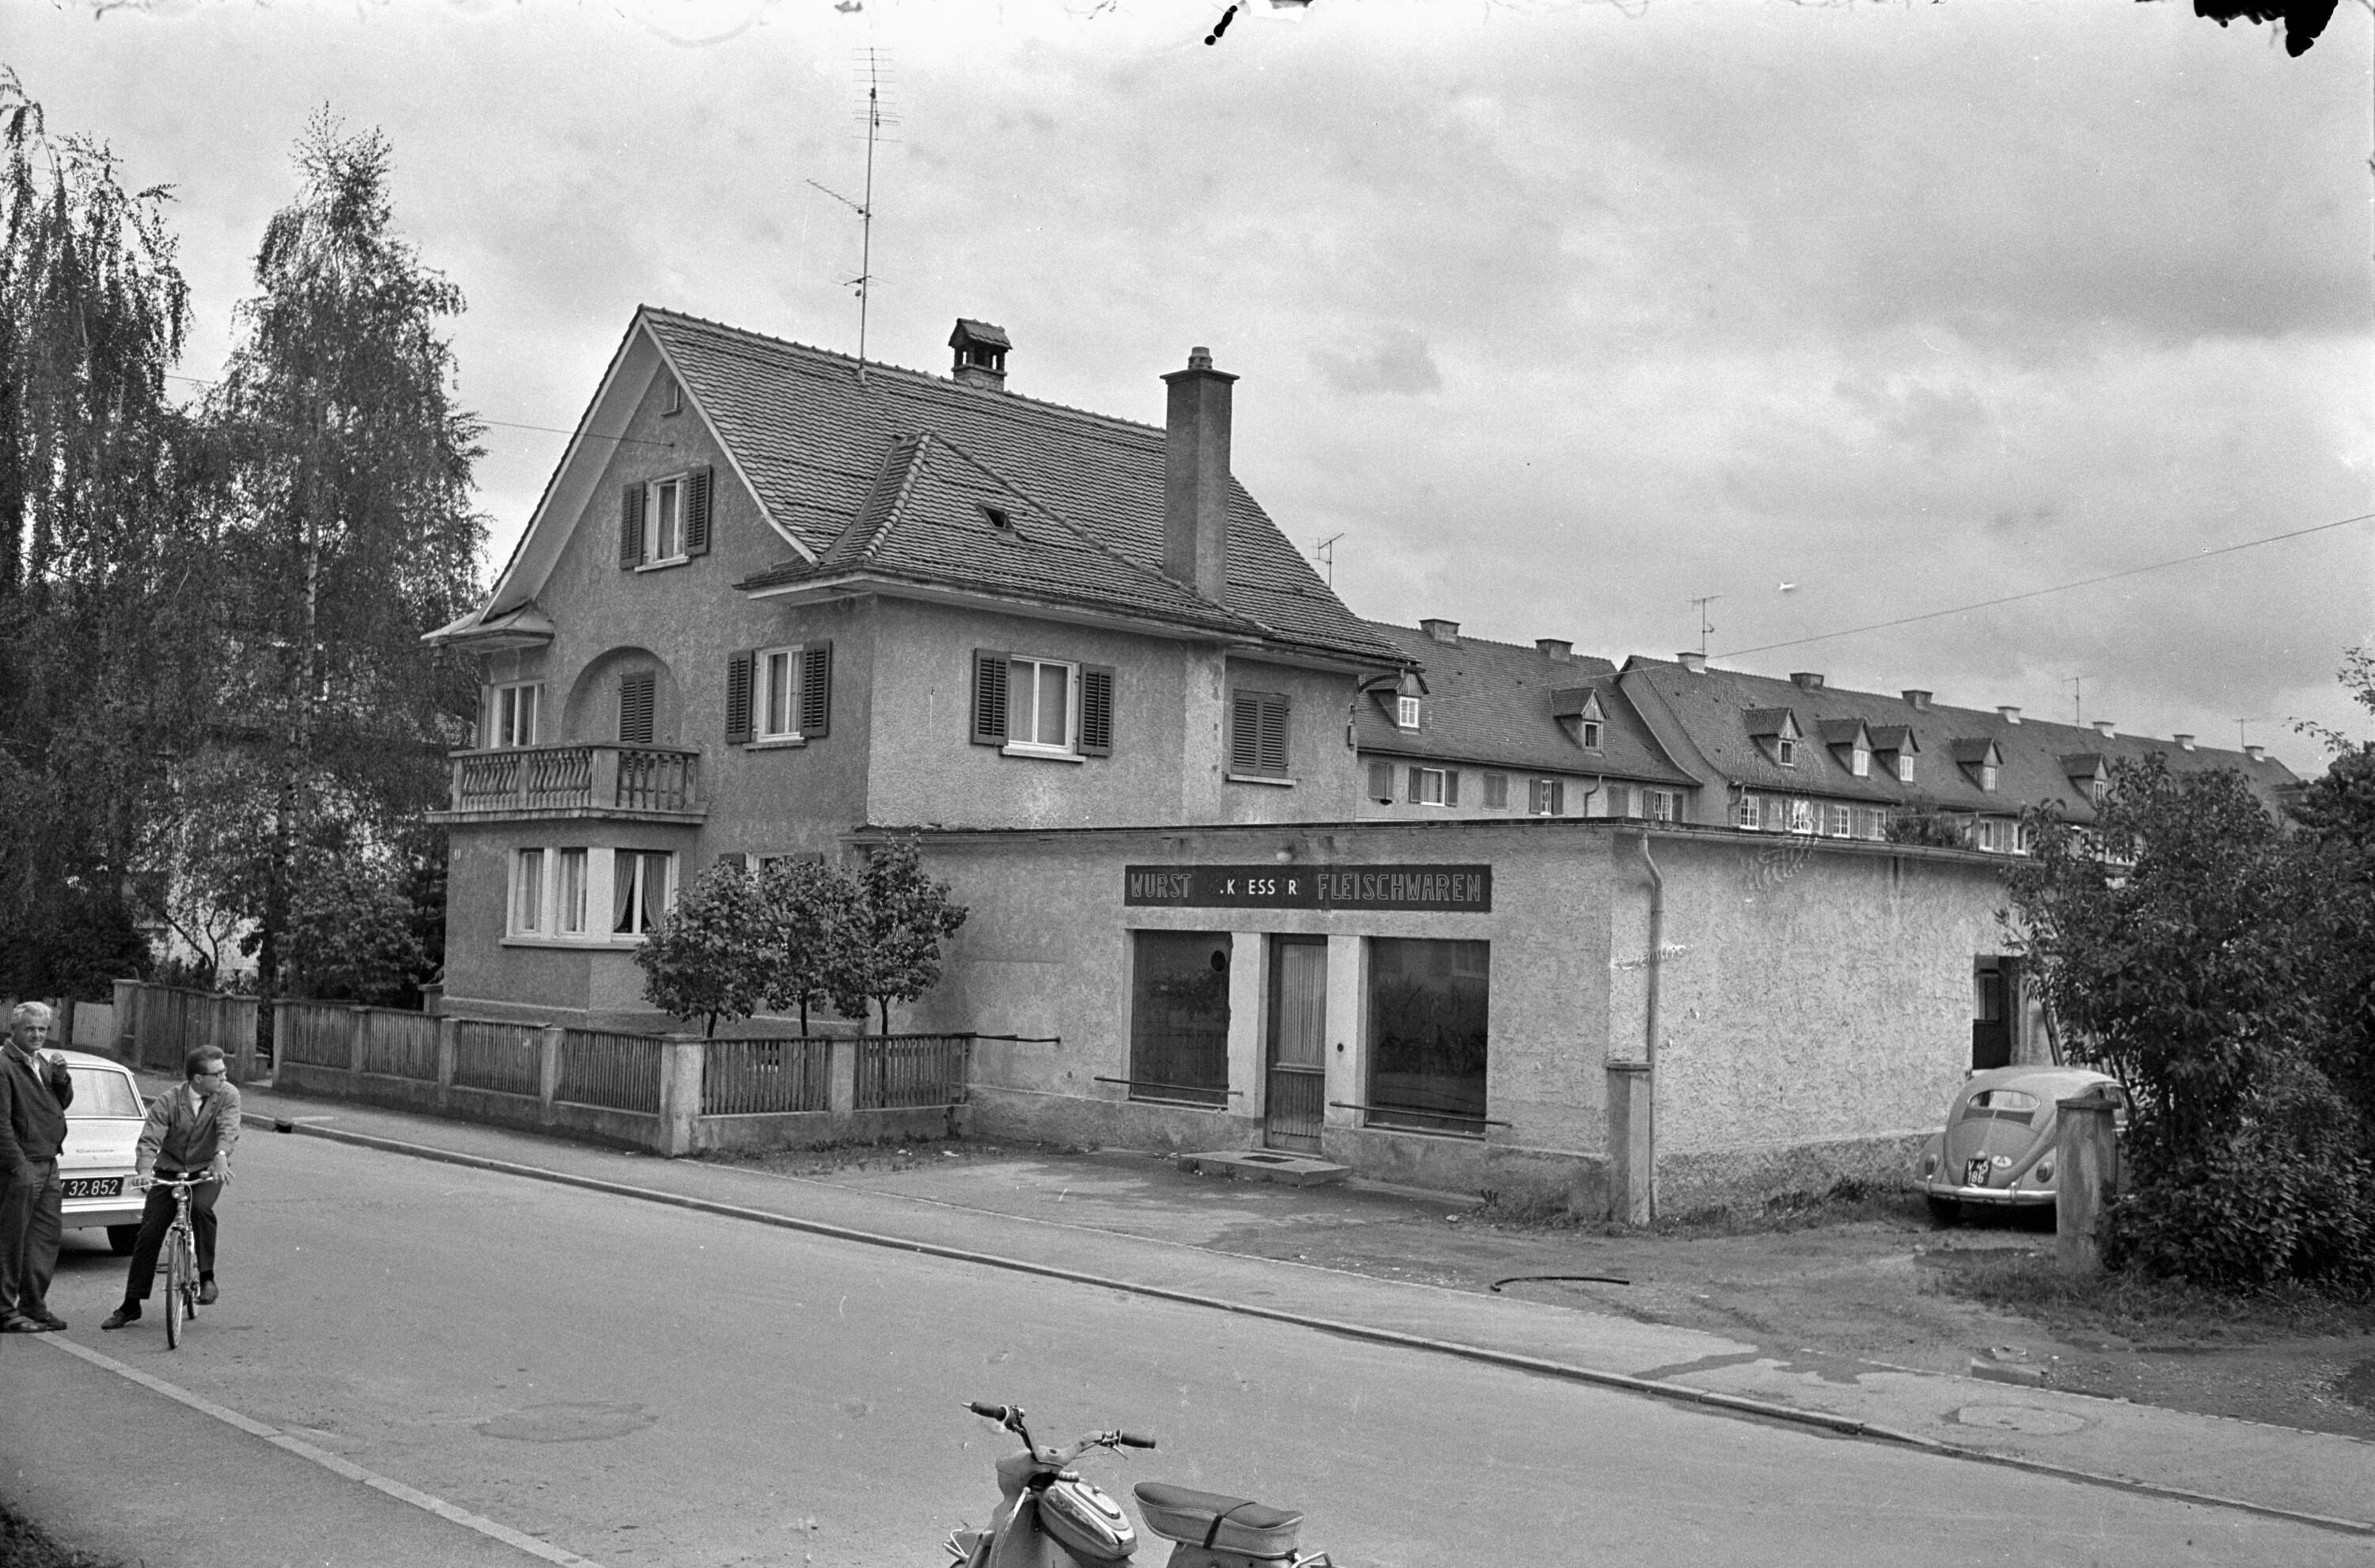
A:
(1842, 1426)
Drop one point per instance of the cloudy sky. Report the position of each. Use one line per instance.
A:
(1561, 314)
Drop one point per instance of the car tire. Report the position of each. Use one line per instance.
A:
(1946, 1210)
(121, 1238)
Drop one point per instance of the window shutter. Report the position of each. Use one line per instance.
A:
(988, 698)
(1559, 797)
(1451, 786)
(816, 689)
(1245, 732)
(1381, 782)
(738, 699)
(631, 527)
(1413, 796)
(490, 717)
(636, 708)
(1096, 710)
(1273, 737)
(696, 512)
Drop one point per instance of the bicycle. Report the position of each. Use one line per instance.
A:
(181, 1259)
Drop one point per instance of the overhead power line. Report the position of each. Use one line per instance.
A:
(506, 424)
(2057, 588)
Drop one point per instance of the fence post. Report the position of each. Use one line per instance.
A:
(683, 1057)
(548, 1077)
(127, 995)
(358, 1038)
(449, 1052)
(1632, 1157)
(841, 1077)
(238, 1014)
(2089, 1157)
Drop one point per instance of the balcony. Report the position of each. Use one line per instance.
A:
(648, 783)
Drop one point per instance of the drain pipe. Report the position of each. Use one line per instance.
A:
(1632, 1085)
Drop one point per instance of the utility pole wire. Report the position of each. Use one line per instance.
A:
(2057, 588)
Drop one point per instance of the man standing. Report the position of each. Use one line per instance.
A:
(35, 1089)
(191, 1130)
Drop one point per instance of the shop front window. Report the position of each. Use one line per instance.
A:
(1427, 1004)
(1179, 1018)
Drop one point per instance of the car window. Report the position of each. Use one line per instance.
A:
(103, 1091)
(2004, 1100)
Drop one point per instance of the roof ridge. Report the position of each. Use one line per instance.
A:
(924, 378)
(1467, 641)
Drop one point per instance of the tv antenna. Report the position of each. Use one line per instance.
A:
(1325, 552)
(2077, 700)
(864, 282)
(1700, 604)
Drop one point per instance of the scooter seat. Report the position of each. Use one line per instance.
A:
(1213, 1519)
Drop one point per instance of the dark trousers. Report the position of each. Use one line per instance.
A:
(155, 1221)
(29, 1239)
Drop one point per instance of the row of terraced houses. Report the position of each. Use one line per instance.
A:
(1245, 870)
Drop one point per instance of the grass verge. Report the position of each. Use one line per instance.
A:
(24, 1544)
(1845, 1202)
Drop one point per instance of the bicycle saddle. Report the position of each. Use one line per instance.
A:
(1212, 1519)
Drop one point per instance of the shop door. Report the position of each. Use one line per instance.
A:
(1296, 1101)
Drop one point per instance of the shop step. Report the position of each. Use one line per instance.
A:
(1264, 1166)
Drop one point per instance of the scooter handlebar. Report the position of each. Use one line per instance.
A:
(989, 1412)
(1132, 1440)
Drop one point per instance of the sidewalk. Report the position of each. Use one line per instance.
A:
(1137, 1223)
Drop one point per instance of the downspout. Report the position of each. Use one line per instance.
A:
(1634, 1198)
(1657, 951)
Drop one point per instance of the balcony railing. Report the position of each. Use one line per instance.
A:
(532, 780)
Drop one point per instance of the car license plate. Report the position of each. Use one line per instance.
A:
(1977, 1175)
(94, 1187)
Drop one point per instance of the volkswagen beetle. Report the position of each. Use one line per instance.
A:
(1998, 1147)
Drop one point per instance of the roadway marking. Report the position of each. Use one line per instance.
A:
(326, 1459)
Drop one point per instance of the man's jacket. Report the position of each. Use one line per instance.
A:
(32, 1109)
(181, 1138)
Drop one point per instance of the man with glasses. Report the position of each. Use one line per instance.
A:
(189, 1131)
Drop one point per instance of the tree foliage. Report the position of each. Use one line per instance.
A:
(813, 902)
(889, 950)
(2185, 943)
(715, 954)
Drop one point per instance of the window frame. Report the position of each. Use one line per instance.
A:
(1592, 731)
(1497, 792)
(561, 858)
(1802, 815)
(1423, 780)
(1785, 750)
(762, 690)
(1859, 761)
(1071, 745)
(1904, 769)
(1407, 712)
(637, 934)
(1545, 798)
(528, 903)
(1749, 814)
(652, 490)
(1662, 805)
(508, 703)
(1838, 820)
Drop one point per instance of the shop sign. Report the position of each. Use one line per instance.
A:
(1458, 889)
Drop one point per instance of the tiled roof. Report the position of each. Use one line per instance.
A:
(1493, 703)
(813, 437)
(2037, 755)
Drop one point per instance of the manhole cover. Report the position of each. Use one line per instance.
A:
(2026, 1418)
(568, 1423)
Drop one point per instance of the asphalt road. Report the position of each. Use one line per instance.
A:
(644, 1385)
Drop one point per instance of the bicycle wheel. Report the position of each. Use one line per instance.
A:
(181, 1278)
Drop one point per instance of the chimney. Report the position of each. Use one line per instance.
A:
(2106, 728)
(1195, 475)
(2010, 715)
(1557, 649)
(1917, 701)
(1695, 663)
(1805, 681)
(981, 354)
(2256, 753)
(2184, 742)
(1442, 631)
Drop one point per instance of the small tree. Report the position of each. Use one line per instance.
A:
(810, 901)
(714, 954)
(888, 948)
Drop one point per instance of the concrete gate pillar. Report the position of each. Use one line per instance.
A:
(2088, 1151)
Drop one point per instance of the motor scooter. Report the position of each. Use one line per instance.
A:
(1048, 1517)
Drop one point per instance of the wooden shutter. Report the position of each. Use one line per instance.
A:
(1413, 797)
(1451, 786)
(636, 708)
(1096, 710)
(988, 698)
(1557, 788)
(1245, 732)
(631, 527)
(816, 689)
(1381, 782)
(1535, 790)
(737, 698)
(1273, 748)
(696, 512)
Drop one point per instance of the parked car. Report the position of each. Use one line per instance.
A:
(102, 1130)
(1997, 1147)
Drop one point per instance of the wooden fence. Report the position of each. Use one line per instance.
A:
(157, 1026)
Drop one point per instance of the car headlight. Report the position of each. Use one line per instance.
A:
(1929, 1164)
(2045, 1170)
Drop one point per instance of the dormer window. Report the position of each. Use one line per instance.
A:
(1591, 735)
(1859, 761)
(1904, 767)
(1777, 733)
(1785, 751)
(1988, 775)
(1406, 712)
(1579, 712)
